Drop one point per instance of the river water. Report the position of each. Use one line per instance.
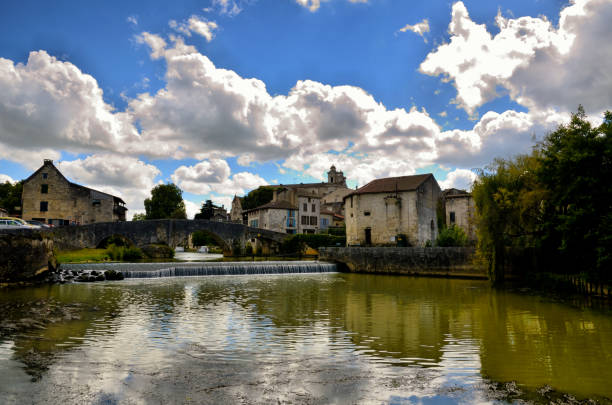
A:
(297, 338)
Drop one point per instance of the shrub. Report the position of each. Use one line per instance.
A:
(452, 236)
(249, 250)
(119, 253)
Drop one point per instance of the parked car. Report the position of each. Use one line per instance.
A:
(38, 224)
(15, 223)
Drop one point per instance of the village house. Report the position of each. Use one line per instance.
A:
(393, 211)
(459, 211)
(279, 216)
(49, 197)
(306, 198)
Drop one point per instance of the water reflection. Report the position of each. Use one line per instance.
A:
(302, 338)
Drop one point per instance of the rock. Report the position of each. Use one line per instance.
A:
(26, 257)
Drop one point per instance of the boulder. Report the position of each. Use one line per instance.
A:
(155, 251)
(25, 257)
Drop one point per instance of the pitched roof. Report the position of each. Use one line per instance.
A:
(392, 184)
(49, 163)
(279, 205)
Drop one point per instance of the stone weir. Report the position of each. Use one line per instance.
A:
(434, 261)
(156, 270)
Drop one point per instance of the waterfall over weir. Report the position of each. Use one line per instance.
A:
(156, 270)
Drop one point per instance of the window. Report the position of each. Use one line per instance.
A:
(254, 223)
(304, 220)
(44, 206)
(44, 188)
(314, 208)
(323, 222)
(96, 202)
(351, 201)
(452, 217)
(44, 175)
(290, 222)
(366, 213)
(313, 221)
(305, 207)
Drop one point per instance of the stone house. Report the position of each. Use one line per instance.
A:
(330, 219)
(279, 216)
(309, 210)
(459, 210)
(49, 197)
(385, 210)
(335, 188)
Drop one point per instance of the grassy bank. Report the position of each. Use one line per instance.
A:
(83, 256)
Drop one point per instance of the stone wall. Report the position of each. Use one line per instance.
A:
(411, 213)
(25, 257)
(441, 262)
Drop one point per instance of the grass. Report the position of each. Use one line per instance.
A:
(82, 256)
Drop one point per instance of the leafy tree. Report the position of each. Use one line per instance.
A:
(577, 170)
(206, 212)
(452, 236)
(139, 217)
(166, 202)
(260, 196)
(10, 196)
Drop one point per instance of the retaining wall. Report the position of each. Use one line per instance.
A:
(434, 261)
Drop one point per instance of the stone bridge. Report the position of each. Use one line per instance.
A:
(172, 232)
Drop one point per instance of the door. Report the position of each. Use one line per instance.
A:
(368, 236)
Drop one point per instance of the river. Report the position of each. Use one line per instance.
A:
(299, 338)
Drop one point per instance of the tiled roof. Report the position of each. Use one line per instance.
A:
(280, 205)
(392, 184)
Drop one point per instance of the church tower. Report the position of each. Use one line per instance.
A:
(335, 177)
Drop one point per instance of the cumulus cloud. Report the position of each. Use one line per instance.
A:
(313, 5)
(460, 178)
(539, 65)
(228, 7)
(213, 175)
(419, 28)
(195, 24)
(122, 176)
(48, 105)
(5, 177)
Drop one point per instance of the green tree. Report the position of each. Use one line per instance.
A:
(10, 197)
(577, 170)
(166, 202)
(452, 236)
(260, 196)
(139, 217)
(207, 211)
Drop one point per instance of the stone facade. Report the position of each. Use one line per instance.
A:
(384, 210)
(49, 197)
(236, 211)
(278, 216)
(459, 210)
(335, 177)
(309, 212)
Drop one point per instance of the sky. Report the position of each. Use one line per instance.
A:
(222, 96)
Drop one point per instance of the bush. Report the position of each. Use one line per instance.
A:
(452, 236)
(128, 253)
(249, 250)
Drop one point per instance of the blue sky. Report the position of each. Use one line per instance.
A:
(221, 96)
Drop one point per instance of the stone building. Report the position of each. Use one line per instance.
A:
(459, 210)
(328, 195)
(49, 197)
(309, 211)
(279, 216)
(390, 210)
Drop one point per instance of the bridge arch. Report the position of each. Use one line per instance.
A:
(115, 238)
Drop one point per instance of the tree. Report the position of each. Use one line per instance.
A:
(207, 211)
(577, 169)
(10, 196)
(139, 217)
(166, 202)
(451, 236)
(260, 196)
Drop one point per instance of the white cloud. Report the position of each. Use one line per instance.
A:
(541, 66)
(419, 28)
(5, 177)
(48, 105)
(459, 178)
(314, 5)
(195, 24)
(192, 208)
(132, 20)
(227, 7)
(122, 176)
(213, 175)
